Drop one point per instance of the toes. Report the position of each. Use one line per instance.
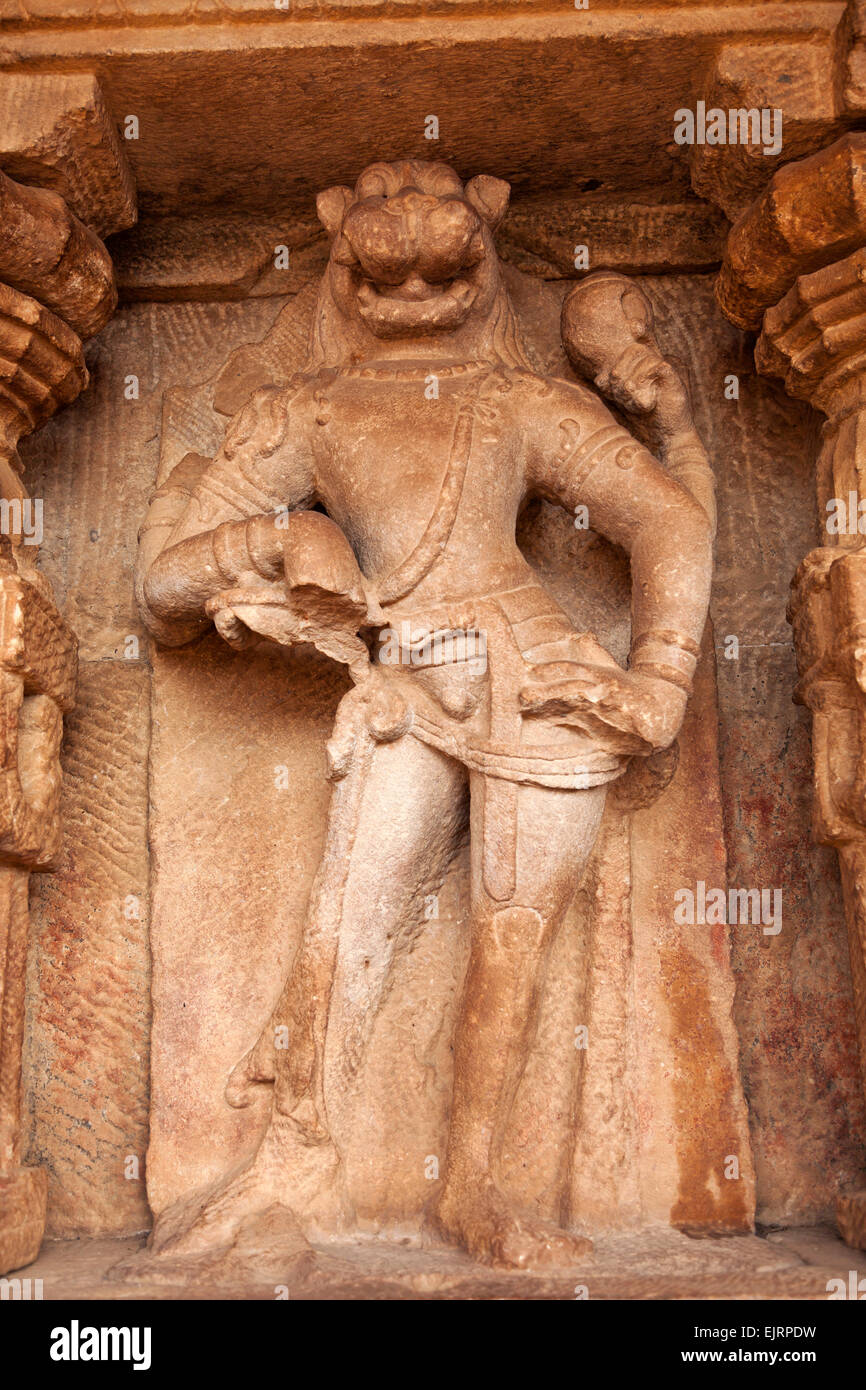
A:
(528, 1248)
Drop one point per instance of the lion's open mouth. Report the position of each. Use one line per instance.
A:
(415, 305)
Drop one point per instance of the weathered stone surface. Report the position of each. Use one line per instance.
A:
(14, 927)
(35, 644)
(812, 213)
(88, 1109)
(42, 368)
(234, 115)
(22, 1216)
(47, 252)
(693, 1112)
(95, 467)
(657, 1265)
(543, 236)
(541, 118)
(813, 335)
(48, 11)
(56, 132)
(798, 81)
(222, 732)
(851, 1216)
(231, 257)
(793, 1003)
(88, 1025)
(389, 1117)
(788, 1087)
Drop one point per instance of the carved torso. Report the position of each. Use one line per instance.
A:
(382, 453)
(427, 488)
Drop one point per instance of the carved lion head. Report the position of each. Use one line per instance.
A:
(412, 252)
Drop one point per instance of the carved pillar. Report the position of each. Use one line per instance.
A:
(50, 265)
(796, 268)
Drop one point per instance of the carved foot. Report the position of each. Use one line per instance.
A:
(478, 1219)
(298, 1177)
(210, 1221)
(266, 1249)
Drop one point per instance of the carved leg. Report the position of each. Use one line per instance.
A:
(389, 842)
(511, 940)
(414, 813)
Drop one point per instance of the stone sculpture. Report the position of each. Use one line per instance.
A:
(369, 508)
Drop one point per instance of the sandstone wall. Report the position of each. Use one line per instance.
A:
(88, 1028)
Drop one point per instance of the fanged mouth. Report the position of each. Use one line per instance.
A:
(416, 303)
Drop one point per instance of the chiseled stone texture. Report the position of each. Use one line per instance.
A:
(236, 850)
(88, 1024)
(793, 1007)
(22, 1216)
(86, 1053)
(95, 466)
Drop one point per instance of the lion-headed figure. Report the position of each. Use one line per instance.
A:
(413, 257)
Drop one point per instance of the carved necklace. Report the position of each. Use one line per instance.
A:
(402, 372)
(408, 575)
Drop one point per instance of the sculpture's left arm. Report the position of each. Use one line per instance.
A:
(581, 456)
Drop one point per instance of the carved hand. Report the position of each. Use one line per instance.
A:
(641, 712)
(239, 614)
(652, 386)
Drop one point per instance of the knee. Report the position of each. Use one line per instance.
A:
(518, 928)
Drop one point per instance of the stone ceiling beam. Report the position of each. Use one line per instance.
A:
(55, 131)
(541, 117)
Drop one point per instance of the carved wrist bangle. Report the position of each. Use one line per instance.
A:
(664, 673)
(692, 469)
(241, 547)
(669, 656)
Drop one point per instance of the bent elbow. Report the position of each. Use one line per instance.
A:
(163, 608)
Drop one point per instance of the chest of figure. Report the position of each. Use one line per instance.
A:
(393, 456)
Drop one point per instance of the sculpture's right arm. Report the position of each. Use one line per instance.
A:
(209, 525)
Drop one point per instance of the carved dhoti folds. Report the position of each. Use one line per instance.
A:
(462, 674)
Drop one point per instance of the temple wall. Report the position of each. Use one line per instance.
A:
(86, 1062)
